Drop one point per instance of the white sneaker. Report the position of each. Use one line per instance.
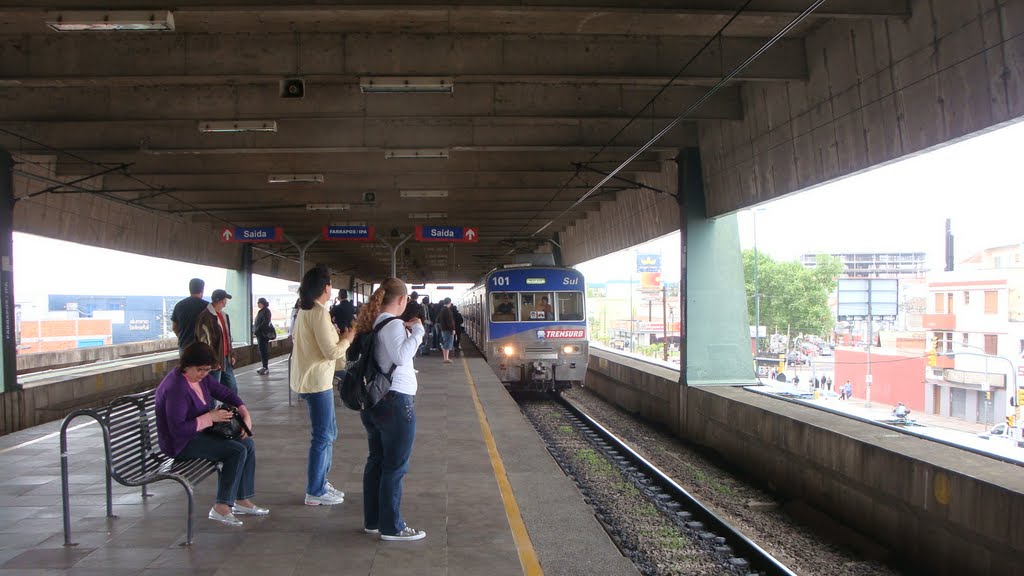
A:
(329, 488)
(407, 533)
(328, 499)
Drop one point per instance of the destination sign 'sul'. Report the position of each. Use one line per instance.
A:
(351, 233)
(446, 234)
(264, 234)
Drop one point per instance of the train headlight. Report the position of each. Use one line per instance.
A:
(567, 349)
(509, 350)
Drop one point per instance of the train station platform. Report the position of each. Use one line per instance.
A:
(480, 483)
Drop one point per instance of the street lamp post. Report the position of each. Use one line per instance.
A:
(757, 295)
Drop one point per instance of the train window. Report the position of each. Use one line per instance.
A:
(504, 306)
(570, 306)
(537, 306)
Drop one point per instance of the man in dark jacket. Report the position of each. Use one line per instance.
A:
(343, 312)
(183, 317)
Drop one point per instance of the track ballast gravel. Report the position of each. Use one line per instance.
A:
(657, 541)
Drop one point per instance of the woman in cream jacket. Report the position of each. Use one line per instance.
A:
(316, 346)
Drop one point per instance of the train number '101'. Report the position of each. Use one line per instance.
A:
(500, 280)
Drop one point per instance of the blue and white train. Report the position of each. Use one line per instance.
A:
(530, 322)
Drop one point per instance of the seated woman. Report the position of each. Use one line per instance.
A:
(185, 402)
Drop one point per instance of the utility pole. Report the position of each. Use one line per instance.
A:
(871, 340)
(664, 321)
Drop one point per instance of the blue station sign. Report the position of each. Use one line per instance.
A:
(263, 234)
(351, 233)
(446, 234)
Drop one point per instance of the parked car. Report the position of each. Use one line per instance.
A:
(998, 431)
(795, 358)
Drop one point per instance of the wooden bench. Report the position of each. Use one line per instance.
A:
(133, 456)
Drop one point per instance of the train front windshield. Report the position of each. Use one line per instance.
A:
(536, 306)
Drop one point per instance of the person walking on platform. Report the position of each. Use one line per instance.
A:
(446, 321)
(185, 408)
(428, 325)
(391, 423)
(459, 329)
(213, 327)
(316, 346)
(183, 317)
(259, 329)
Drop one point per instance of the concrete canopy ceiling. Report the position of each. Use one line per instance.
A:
(540, 88)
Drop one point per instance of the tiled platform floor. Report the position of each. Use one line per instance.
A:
(451, 492)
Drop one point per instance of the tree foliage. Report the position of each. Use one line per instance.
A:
(793, 297)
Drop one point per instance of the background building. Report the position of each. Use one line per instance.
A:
(976, 313)
(876, 264)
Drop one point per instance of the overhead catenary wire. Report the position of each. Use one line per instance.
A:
(718, 35)
(692, 107)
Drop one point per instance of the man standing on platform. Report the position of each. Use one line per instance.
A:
(213, 327)
(186, 311)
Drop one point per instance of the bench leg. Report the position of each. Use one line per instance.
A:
(65, 496)
(188, 519)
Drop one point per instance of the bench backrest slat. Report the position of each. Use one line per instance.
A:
(134, 448)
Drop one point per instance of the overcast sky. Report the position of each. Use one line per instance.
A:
(901, 207)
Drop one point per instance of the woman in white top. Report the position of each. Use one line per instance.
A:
(391, 424)
(316, 346)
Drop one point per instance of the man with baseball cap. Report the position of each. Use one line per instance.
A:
(213, 326)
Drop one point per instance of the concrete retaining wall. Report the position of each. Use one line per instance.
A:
(53, 397)
(944, 510)
(76, 356)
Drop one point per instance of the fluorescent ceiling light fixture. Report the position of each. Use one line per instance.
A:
(327, 206)
(427, 215)
(423, 193)
(238, 126)
(158, 20)
(406, 84)
(284, 178)
(417, 153)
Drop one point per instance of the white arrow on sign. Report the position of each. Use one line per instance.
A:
(470, 234)
(226, 235)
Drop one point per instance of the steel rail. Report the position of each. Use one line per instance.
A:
(759, 559)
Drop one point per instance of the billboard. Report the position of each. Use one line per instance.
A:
(646, 263)
(857, 297)
(650, 280)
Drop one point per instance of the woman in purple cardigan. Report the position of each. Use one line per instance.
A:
(185, 402)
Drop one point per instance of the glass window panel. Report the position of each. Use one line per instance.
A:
(570, 305)
(504, 306)
(537, 306)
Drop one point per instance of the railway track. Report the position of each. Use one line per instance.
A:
(725, 548)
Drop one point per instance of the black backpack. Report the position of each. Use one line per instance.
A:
(361, 388)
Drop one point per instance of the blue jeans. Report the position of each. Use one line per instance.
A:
(226, 375)
(323, 431)
(237, 478)
(391, 429)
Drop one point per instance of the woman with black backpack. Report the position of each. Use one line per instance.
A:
(390, 423)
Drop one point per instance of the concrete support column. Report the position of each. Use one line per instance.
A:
(8, 350)
(717, 334)
(239, 285)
